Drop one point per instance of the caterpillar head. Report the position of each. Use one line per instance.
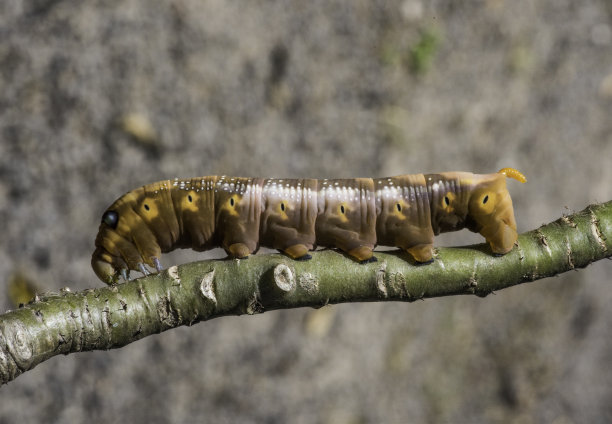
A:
(490, 211)
(105, 264)
(127, 238)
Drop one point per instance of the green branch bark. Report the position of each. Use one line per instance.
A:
(112, 317)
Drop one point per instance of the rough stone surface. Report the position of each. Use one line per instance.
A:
(99, 97)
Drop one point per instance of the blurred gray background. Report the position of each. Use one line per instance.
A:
(99, 97)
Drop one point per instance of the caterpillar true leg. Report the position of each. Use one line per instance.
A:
(157, 263)
(142, 269)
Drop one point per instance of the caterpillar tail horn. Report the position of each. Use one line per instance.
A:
(513, 173)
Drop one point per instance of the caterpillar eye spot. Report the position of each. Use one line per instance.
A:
(486, 199)
(190, 198)
(147, 208)
(446, 201)
(110, 218)
(342, 209)
(232, 202)
(399, 207)
(282, 206)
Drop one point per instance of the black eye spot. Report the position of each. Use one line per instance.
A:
(399, 207)
(190, 198)
(446, 200)
(342, 208)
(110, 218)
(283, 207)
(486, 198)
(147, 207)
(232, 201)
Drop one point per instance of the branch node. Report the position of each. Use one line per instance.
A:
(601, 240)
(173, 273)
(254, 306)
(567, 220)
(141, 290)
(543, 241)
(283, 277)
(206, 286)
(568, 252)
(19, 345)
(472, 282)
(520, 251)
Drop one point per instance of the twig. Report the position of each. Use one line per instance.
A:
(112, 317)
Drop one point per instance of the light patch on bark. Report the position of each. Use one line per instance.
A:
(283, 277)
(597, 232)
(173, 273)
(18, 345)
(380, 279)
(207, 288)
(309, 283)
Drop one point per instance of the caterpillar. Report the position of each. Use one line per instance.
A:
(296, 215)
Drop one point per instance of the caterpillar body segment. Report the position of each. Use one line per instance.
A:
(346, 216)
(404, 215)
(297, 215)
(193, 204)
(289, 214)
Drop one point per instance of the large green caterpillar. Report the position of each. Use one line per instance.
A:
(295, 215)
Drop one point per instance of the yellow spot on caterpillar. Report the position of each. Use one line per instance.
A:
(149, 209)
(190, 202)
(447, 202)
(487, 202)
(231, 203)
(398, 209)
(513, 173)
(281, 209)
(342, 211)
